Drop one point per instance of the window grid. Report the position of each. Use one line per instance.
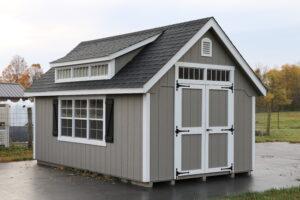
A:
(82, 72)
(192, 73)
(81, 123)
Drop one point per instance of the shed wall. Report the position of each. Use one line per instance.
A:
(162, 113)
(123, 158)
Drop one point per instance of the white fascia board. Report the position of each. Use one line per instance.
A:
(109, 57)
(85, 92)
(214, 25)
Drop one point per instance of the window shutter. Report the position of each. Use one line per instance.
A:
(55, 118)
(109, 120)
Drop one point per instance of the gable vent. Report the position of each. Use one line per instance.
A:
(206, 47)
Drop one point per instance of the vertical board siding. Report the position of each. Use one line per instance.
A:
(191, 152)
(218, 148)
(123, 158)
(162, 128)
(219, 54)
(191, 108)
(218, 107)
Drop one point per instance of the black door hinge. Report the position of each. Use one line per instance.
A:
(180, 173)
(228, 168)
(228, 87)
(180, 131)
(229, 129)
(178, 85)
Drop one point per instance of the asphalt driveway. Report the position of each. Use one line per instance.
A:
(277, 165)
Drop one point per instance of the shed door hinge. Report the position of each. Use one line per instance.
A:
(229, 87)
(178, 85)
(177, 131)
(228, 129)
(228, 168)
(180, 173)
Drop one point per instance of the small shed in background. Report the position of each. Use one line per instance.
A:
(13, 113)
(11, 91)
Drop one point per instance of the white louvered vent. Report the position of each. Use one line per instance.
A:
(206, 47)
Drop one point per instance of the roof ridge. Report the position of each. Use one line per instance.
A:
(147, 30)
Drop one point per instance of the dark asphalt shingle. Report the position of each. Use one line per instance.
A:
(141, 68)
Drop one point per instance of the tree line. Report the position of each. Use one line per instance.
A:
(283, 94)
(18, 71)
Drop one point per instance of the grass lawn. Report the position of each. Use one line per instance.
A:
(289, 130)
(15, 153)
(289, 193)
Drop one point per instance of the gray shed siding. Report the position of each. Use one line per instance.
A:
(123, 158)
(162, 114)
(162, 128)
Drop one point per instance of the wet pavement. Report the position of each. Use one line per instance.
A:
(277, 165)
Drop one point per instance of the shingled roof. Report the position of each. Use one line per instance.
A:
(139, 70)
(11, 90)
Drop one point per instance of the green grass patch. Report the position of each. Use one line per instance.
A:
(289, 193)
(15, 153)
(289, 127)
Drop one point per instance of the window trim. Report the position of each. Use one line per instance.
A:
(76, 139)
(110, 72)
(205, 67)
(206, 39)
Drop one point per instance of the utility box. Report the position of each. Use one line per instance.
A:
(4, 125)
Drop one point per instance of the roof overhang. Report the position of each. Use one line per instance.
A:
(85, 92)
(212, 23)
(109, 57)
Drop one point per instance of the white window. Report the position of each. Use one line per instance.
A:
(63, 73)
(218, 75)
(206, 47)
(81, 72)
(99, 70)
(85, 72)
(82, 120)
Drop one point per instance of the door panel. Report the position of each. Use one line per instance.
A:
(218, 107)
(218, 148)
(191, 152)
(191, 107)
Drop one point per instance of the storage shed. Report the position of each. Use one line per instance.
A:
(156, 105)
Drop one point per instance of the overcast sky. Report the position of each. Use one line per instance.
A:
(267, 32)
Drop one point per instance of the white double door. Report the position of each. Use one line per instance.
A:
(203, 129)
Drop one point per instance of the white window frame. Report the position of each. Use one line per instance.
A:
(205, 67)
(74, 139)
(110, 73)
(210, 47)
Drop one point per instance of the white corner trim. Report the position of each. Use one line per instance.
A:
(214, 25)
(34, 129)
(146, 137)
(85, 92)
(109, 57)
(253, 131)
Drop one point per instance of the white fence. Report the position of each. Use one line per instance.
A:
(16, 120)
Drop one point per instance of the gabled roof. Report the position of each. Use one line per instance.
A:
(11, 90)
(145, 69)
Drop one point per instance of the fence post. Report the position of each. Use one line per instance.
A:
(29, 127)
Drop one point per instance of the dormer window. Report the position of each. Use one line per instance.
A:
(206, 47)
(85, 72)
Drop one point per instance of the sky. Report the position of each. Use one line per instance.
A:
(266, 32)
